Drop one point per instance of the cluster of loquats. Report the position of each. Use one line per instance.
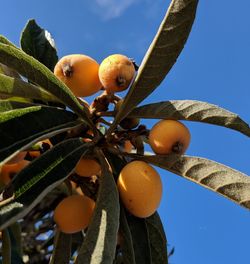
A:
(138, 183)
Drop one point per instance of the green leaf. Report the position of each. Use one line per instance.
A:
(62, 248)
(157, 238)
(33, 124)
(161, 55)
(41, 176)
(16, 243)
(8, 71)
(16, 87)
(6, 247)
(4, 40)
(212, 175)
(140, 239)
(100, 242)
(193, 111)
(7, 105)
(41, 75)
(38, 43)
(128, 254)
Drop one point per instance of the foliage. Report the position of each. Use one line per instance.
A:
(35, 105)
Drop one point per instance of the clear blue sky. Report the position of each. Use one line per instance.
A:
(204, 227)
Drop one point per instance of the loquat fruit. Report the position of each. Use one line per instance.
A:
(169, 136)
(74, 213)
(116, 72)
(8, 171)
(20, 156)
(140, 188)
(87, 167)
(80, 73)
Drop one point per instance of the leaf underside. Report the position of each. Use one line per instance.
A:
(192, 110)
(161, 55)
(100, 242)
(212, 175)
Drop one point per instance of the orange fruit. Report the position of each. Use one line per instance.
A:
(8, 171)
(80, 73)
(87, 167)
(74, 213)
(140, 188)
(169, 136)
(116, 72)
(128, 146)
(20, 156)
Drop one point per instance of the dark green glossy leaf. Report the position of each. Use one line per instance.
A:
(6, 247)
(157, 238)
(16, 87)
(62, 248)
(33, 123)
(193, 111)
(41, 75)
(212, 175)
(161, 55)
(100, 242)
(41, 176)
(140, 239)
(127, 248)
(16, 243)
(38, 43)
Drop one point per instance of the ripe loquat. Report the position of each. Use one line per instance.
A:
(8, 171)
(87, 167)
(140, 188)
(80, 73)
(169, 136)
(20, 156)
(74, 213)
(116, 72)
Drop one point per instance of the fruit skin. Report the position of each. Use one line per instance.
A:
(80, 73)
(74, 213)
(116, 73)
(9, 170)
(169, 136)
(20, 156)
(87, 167)
(140, 188)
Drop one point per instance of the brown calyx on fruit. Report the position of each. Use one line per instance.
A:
(177, 147)
(67, 70)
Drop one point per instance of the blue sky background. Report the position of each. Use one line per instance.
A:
(203, 227)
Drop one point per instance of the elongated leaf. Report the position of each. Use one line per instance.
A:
(38, 43)
(214, 176)
(6, 247)
(140, 239)
(7, 105)
(41, 75)
(16, 244)
(193, 111)
(8, 71)
(4, 40)
(157, 238)
(62, 249)
(32, 124)
(100, 242)
(161, 55)
(16, 87)
(39, 178)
